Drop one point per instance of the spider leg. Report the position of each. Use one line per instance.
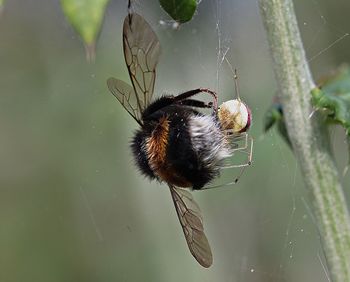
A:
(248, 144)
(190, 93)
(233, 140)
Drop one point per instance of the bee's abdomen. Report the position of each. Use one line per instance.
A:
(181, 156)
(209, 147)
(149, 147)
(208, 142)
(184, 148)
(157, 144)
(138, 147)
(196, 148)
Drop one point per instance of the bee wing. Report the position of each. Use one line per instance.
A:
(141, 52)
(126, 96)
(192, 224)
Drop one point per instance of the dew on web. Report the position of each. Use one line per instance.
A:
(328, 47)
(339, 34)
(288, 245)
(324, 268)
(99, 235)
(218, 48)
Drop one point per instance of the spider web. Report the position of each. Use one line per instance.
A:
(300, 224)
(260, 229)
(296, 240)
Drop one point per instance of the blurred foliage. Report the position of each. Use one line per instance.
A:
(274, 117)
(1, 6)
(331, 98)
(180, 10)
(72, 205)
(86, 17)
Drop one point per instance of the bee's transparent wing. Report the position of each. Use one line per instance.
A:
(192, 225)
(126, 96)
(141, 51)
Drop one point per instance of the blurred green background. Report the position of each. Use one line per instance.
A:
(72, 205)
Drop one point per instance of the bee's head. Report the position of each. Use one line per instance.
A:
(235, 116)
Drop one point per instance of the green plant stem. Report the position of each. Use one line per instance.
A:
(308, 135)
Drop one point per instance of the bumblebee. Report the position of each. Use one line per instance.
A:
(176, 143)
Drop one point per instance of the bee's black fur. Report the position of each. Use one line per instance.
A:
(180, 154)
(150, 113)
(140, 154)
(138, 144)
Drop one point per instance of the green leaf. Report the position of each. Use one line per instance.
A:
(274, 117)
(1, 6)
(180, 10)
(334, 98)
(86, 17)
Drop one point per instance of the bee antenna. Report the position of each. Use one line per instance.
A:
(235, 77)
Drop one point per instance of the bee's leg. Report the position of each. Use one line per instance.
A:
(193, 92)
(196, 103)
(249, 143)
